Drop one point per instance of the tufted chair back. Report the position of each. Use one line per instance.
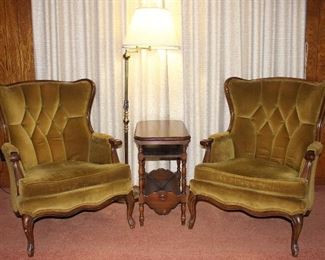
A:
(48, 121)
(274, 119)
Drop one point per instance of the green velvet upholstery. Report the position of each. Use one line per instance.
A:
(42, 119)
(54, 178)
(262, 164)
(255, 174)
(100, 148)
(62, 165)
(274, 119)
(222, 142)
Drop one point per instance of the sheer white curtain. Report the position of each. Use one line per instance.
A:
(83, 38)
(242, 38)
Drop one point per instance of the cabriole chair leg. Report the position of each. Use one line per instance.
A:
(130, 206)
(296, 224)
(28, 225)
(192, 200)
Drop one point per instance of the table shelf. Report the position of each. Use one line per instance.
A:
(162, 151)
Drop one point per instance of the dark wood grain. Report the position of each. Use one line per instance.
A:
(16, 44)
(321, 42)
(16, 48)
(311, 34)
(161, 130)
(315, 65)
(162, 191)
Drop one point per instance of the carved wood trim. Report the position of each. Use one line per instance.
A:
(225, 207)
(295, 220)
(162, 202)
(28, 226)
(15, 159)
(206, 144)
(83, 208)
(90, 208)
(28, 221)
(309, 157)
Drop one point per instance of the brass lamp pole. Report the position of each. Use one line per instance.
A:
(150, 28)
(126, 120)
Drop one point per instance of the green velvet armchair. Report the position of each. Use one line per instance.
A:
(57, 165)
(265, 163)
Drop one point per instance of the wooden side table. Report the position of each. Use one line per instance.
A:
(161, 189)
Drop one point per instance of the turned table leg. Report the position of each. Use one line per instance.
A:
(183, 182)
(141, 185)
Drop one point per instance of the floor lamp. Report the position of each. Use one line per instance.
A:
(150, 28)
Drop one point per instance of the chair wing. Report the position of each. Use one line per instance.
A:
(265, 163)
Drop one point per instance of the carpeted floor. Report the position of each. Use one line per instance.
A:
(216, 235)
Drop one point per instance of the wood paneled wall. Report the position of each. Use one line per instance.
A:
(315, 70)
(16, 51)
(315, 40)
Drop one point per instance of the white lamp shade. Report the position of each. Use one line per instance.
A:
(151, 27)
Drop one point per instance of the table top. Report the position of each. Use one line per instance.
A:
(161, 130)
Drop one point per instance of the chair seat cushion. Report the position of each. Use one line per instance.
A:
(254, 174)
(252, 184)
(59, 177)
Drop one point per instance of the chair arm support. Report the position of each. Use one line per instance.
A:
(13, 160)
(310, 160)
(219, 147)
(316, 146)
(102, 149)
(115, 143)
(206, 144)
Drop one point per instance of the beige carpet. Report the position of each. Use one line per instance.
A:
(216, 235)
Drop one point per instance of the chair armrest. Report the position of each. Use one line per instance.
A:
(15, 168)
(316, 147)
(102, 149)
(309, 164)
(219, 147)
